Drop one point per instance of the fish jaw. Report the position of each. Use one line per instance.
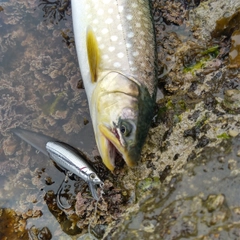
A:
(106, 148)
(109, 145)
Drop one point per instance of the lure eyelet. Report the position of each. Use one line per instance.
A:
(92, 176)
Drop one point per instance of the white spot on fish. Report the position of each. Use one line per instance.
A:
(114, 38)
(111, 49)
(95, 21)
(130, 34)
(120, 55)
(109, 21)
(129, 17)
(119, 27)
(120, 8)
(134, 5)
(135, 54)
(128, 45)
(104, 31)
(101, 46)
(105, 56)
(110, 10)
(143, 42)
(100, 11)
(89, 16)
(138, 25)
(99, 39)
(117, 64)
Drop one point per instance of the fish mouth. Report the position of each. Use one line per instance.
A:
(110, 145)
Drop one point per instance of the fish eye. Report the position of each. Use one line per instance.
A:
(92, 176)
(125, 128)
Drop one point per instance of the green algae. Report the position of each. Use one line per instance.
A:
(169, 104)
(146, 185)
(54, 104)
(223, 136)
(199, 65)
(207, 55)
(212, 51)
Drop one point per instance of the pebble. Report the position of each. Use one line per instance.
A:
(232, 164)
(238, 153)
(232, 133)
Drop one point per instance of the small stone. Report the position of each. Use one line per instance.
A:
(214, 201)
(29, 213)
(221, 159)
(235, 173)
(231, 101)
(238, 153)
(49, 181)
(232, 133)
(232, 164)
(237, 210)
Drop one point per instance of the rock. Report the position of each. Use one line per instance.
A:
(213, 18)
(231, 101)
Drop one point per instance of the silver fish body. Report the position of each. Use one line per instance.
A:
(116, 52)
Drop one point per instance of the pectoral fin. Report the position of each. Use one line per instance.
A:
(93, 54)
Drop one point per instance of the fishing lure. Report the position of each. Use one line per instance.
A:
(68, 158)
(65, 156)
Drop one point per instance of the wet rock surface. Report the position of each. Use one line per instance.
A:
(186, 184)
(200, 203)
(193, 145)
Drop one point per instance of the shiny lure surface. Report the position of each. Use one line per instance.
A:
(69, 159)
(116, 52)
(65, 156)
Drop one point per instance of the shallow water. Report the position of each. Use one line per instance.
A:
(39, 75)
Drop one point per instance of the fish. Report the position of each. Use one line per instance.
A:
(65, 156)
(116, 49)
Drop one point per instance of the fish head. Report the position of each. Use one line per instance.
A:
(121, 118)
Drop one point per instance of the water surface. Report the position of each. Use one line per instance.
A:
(39, 91)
